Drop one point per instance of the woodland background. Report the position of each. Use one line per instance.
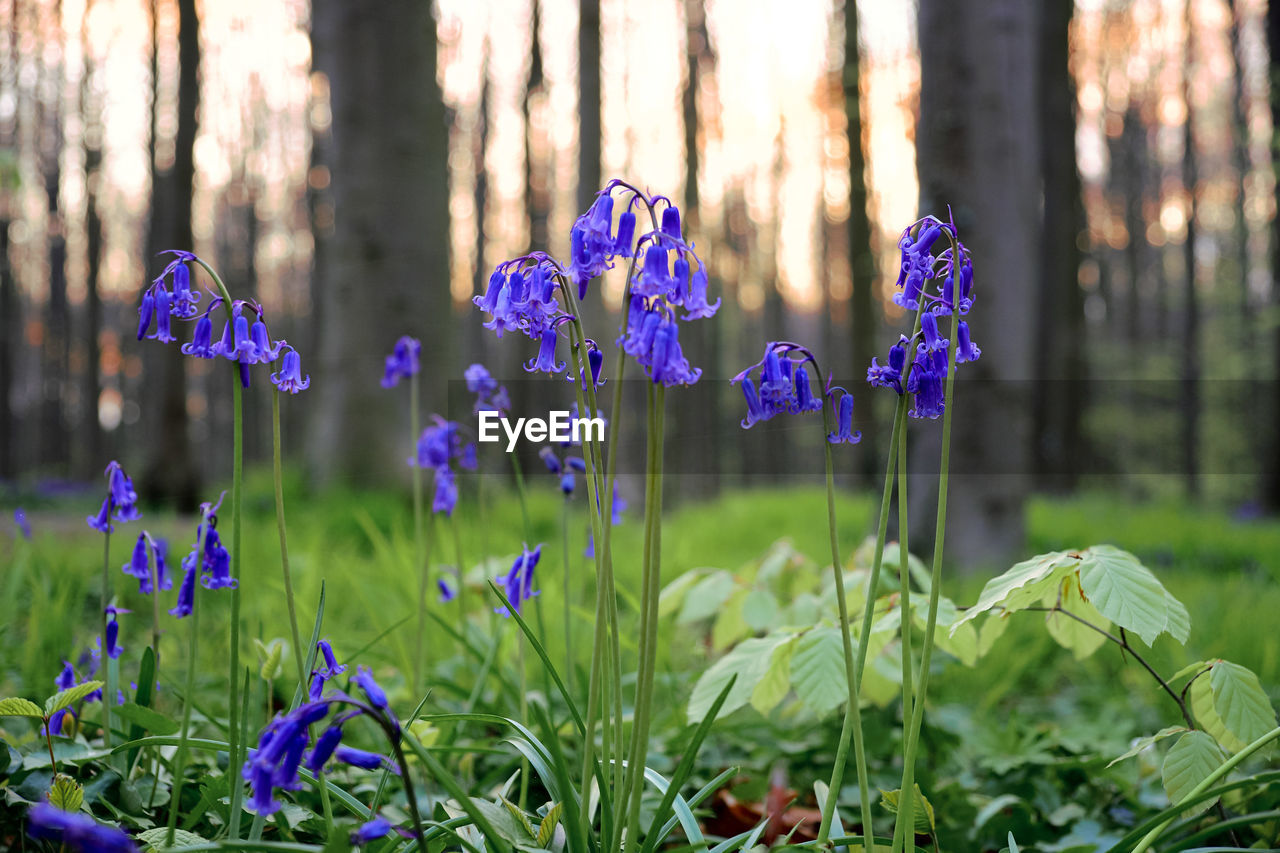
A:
(359, 168)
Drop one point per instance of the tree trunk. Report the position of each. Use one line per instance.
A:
(588, 102)
(390, 247)
(1189, 346)
(1271, 486)
(978, 151)
(57, 326)
(10, 307)
(91, 450)
(537, 179)
(864, 308)
(1058, 390)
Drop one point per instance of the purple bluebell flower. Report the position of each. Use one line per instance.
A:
(889, 375)
(20, 519)
(216, 564)
(655, 278)
(403, 361)
(76, 831)
(372, 830)
(545, 361)
(139, 565)
(290, 377)
(567, 483)
(925, 382)
(517, 584)
(844, 433)
(331, 667)
(102, 521)
(805, 401)
(323, 750)
(775, 385)
(360, 758)
(146, 311)
(364, 679)
(671, 222)
(446, 592)
(933, 341)
(626, 233)
(120, 503)
(187, 589)
(164, 331)
(666, 363)
(267, 352)
(695, 303)
(184, 298)
(966, 349)
(549, 458)
(446, 491)
(785, 386)
(114, 649)
(201, 345)
(161, 549)
(592, 243)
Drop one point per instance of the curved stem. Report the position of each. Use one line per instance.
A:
(1208, 781)
(906, 802)
(852, 725)
(565, 592)
(277, 472)
(106, 661)
(419, 543)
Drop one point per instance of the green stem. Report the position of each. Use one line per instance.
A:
(419, 542)
(462, 573)
(567, 600)
(906, 802)
(524, 716)
(106, 602)
(1208, 782)
(852, 726)
(652, 576)
(523, 497)
(180, 762)
(276, 467)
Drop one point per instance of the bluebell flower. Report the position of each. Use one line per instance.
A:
(372, 830)
(184, 298)
(567, 483)
(243, 349)
(671, 222)
(490, 396)
(756, 410)
(695, 303)
(844, 433)
(446, 494)
(120, 503)
(655, 278)
(114, 649)
(403, 361)
(925, 382)
(549, 458)
(775, 384)
(785, 386)
(966, 349)
(76, 831)
(331, 667)
(805, 401)
(933, 342)
(102, 521)
(139, 565)
(665, 363)
(323, 750)
(446, 592)
(201, 345)
(626, 233)
(592, 243)
(517, 584)
(216, 566)
(164, 331)
(364, 679)
(889, 375)
(290, 377)
(20, 519)
(545, 361)
(187, 589)
(161, 549)
(267, 352)
(360, 758)
(146, 311)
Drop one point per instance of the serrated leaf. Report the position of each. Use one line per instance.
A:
(706, 598)
(1189, 669)
(672, 595)
(547, 829)
(729, 626)
(155, 839)
(817, 669)
(1231, 705)
(270, 658)
(66, 793)
(148, 718)
(1142, 743)
(520, 816)
(1189, 763)
(776, 681)
(426, 733)
(16, 707)
(760, 610)
(1072, 634)
(922, 818)
(70, 696)
(1021, 586)
(749, 661)
(1126, 592)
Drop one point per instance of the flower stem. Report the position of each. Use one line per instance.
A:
(462, 574)
(419, 542)
(523, 495)
(106, 602)
(276, 466)
(852, 726)
(566, 598)
(180, 761)
(906, 801)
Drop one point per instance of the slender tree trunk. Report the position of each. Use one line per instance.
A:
(588, 102)
(1058, 391)
(57, 325)
(864, 309)
(537, 180)
(978, 151)
(1271, 484)
(90, 443)
(1189, 346)
(1133, 149)
(390, 249)
(10, 307)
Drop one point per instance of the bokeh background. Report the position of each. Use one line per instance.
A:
(360, 168)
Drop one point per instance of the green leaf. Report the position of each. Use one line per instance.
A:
(1190, 762)
(817, 669)
(270, 658)
(1143, 742)
(155, 839)
(70, 696)
(993, 627)
(1013, 845)
(749, 661)
(1189, 669)
(547, 829)
(66, 793)
(776, 681)
(1124, 591)
(1231, 705)
(729, 626)
(20, 708)
(922, 817)
(673, 593)
(149, 719)
(760, 609)
(520, 816)
(963, 644)
(1071, 634)
(706, 598)
(1021, 586)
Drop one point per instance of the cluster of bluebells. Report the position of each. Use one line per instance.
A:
(208, 559)
(490, 396)
(522, 292)
(441, 447)
(140, 564)
(286, 746)
(76, 831)
(517, 584)
(121, 502)
(20, 519)
(68, 679)
(331, 669)
(935, 284)
(785, 387)
(403, 361)
(170, 295)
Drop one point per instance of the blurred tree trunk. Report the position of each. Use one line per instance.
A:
(1189, 346)
(1130, 177)
(390, 247)
(170, 472)
(1058, 391)
(537, 180)
(57, 326)
(1271, 468)
(978, 151)
(864, 309)
(90, 451)
(10, 307)
(589, 182)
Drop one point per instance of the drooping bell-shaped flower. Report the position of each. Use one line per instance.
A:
(146, 311)
(654, 278)
(446, 592)
(775, 387)
(626, 234)
(290, 378)
(666, 363)
(76, 831)
(359, 758)
(805, 401)
(371, 830)
(844, 433)
(933, 341)
(114, 649)
(756, 410)
(187, 589)
(201, 345)
(545, 361)
(671, 222)
(925, 383)
(549, 458)
(323, 750)
(517, 584)
(184, 298)
(695, 304)
(123, 496)
(889, 375)
(102, 521)
(372, 690)
(161, 549)
(446, 491)
(966, 349)
(267, 352)
(163, 332)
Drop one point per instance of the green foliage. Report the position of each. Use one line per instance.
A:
(66, 793)
(20, 708)
(1193, 757)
